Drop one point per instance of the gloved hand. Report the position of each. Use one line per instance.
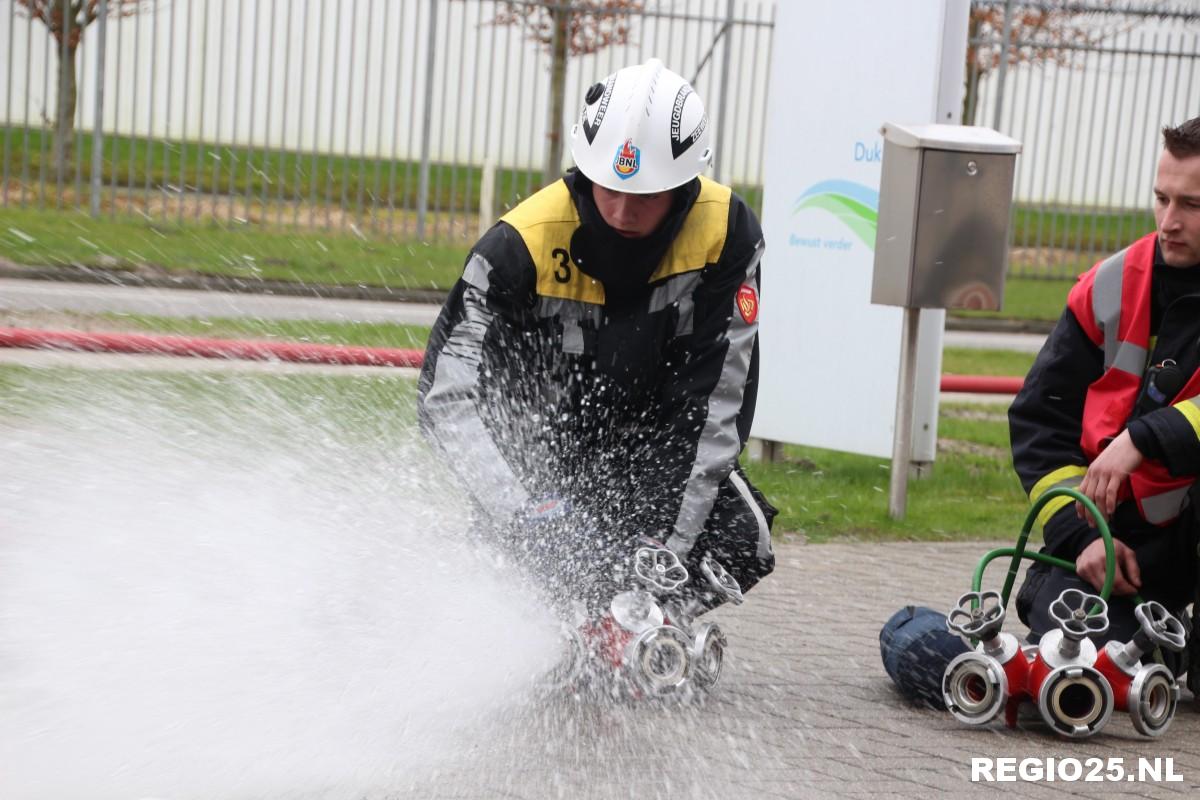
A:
(536, 531)
(563, 552)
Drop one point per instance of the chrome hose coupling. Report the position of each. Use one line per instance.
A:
(1148, 692)
(979, 684)
(1074, 698)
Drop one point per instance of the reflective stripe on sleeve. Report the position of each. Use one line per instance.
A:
(1162, 508)
(1106, 302)
(1050, 509)
(764, 530)
(451, 404)
(717, 449)
(1063, 476)
(1129, 358)
(1191, 413)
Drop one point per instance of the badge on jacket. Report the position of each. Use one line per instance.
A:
(747, 303)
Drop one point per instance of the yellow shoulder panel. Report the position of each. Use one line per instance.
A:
(702, 237)
(546, 221)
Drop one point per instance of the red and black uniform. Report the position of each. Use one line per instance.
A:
(1129, 313)
(616, 374)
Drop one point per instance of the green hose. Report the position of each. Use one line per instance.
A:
(1018, 552)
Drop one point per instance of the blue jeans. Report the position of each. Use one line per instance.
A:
(916, 648)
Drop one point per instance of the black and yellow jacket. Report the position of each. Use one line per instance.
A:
(632, 400)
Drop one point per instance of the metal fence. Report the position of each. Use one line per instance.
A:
(412, 118)
(422, 119)
(1087, 90)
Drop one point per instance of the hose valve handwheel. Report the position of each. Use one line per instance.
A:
(1159, 627)
(721, 581)
(979, 615)
(659, 568)
(1076, 621)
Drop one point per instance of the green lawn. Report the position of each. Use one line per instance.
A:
(285, 175)
(47, 237)
(261, 407)
(1029, 298)
(1089, 230)
(973, 492)
(971, 361)
(256, 173)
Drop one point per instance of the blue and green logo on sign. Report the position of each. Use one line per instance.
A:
(855, 204)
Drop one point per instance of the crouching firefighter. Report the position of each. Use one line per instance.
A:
(1111, 409)
(591, 378)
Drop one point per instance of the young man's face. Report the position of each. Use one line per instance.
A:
(1177, 209)
(631, 215)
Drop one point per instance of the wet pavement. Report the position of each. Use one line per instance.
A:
(96, 298)
(804, 710)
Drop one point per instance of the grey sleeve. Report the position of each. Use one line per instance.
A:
(449, 396)
(711, 390)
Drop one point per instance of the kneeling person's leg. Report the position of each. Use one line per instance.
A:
(738, 532)
(1043, 585)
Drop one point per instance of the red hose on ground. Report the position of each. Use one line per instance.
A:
(246, 349)
(260, 350)
(982, 384)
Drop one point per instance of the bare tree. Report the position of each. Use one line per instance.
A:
(66, 21)
(569, 28)
(1042, 32)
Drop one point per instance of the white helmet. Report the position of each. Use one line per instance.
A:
(643, 130)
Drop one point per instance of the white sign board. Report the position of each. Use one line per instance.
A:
(830, 359)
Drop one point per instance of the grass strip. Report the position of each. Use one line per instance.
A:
(257, 173)
(48, 238)
(973, 492)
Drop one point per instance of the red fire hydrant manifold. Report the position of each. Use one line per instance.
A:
(647, 642)
(1075, 686)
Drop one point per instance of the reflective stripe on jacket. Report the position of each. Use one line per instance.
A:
(534, 382)
(1112, 304)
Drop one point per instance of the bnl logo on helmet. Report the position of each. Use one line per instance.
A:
(628, 160)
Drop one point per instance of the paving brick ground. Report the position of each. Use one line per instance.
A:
(805, 709)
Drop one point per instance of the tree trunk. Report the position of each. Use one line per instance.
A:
(973, 69)
(64, 121)
(970, 109)
(558, 87)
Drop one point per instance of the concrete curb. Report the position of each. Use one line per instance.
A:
(77, 273)
(993, 325)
